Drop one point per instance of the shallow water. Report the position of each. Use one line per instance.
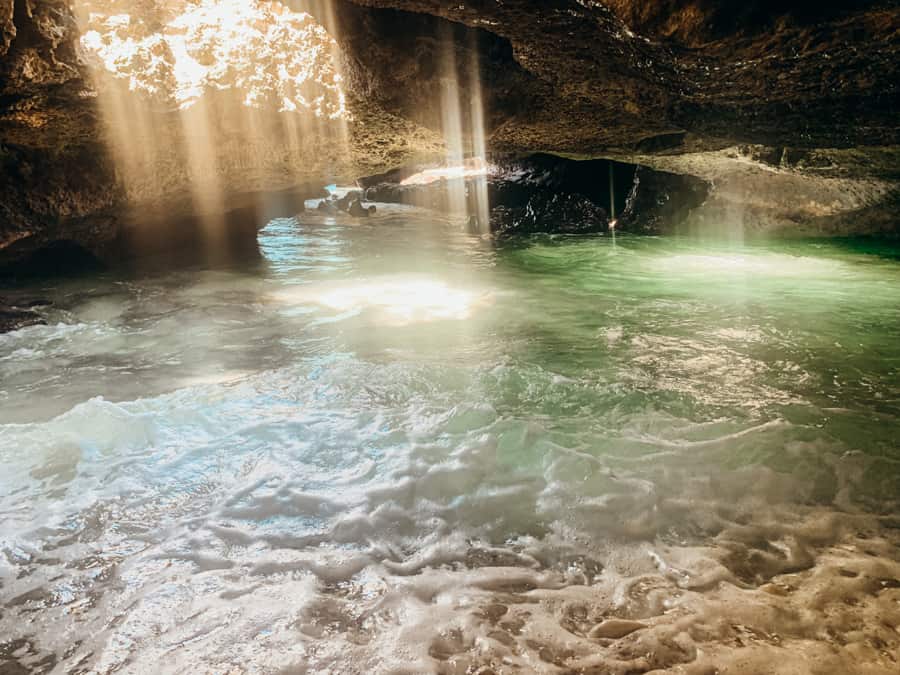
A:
(392, 447)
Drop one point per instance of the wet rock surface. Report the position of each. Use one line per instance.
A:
(550, 212)
(533, 195)
(661, 202)
(16, 313)
(547, 194)
(13, 319)
(715, 75)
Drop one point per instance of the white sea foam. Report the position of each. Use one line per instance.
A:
(561, 481)
(288, 521)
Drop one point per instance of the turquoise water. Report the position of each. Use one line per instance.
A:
(346, 456)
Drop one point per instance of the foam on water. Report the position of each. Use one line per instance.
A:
(598, 470)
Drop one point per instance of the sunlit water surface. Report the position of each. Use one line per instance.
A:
(392, 447)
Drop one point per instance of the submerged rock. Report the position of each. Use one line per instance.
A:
(15, 318)
(357, 210)
(327, 206)
(346, 202)
(430, 196)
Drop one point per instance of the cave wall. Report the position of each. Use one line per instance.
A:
(694, 23)
(607, 85)
(788, 110)
(64, 175)
(55, 179)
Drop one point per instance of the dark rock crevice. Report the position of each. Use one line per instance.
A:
(548, 194)
(662, 202)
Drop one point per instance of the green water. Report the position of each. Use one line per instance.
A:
(204, 457)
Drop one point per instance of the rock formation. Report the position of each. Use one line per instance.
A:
(787, 110)
(530, 195)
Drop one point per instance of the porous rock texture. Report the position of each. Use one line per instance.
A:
(530, 195)
(54, 178)
(787, 109)
(63, 179)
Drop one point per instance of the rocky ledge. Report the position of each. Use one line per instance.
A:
(527, 195)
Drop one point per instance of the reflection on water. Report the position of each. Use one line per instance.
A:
(398, 301)
(396, 448)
